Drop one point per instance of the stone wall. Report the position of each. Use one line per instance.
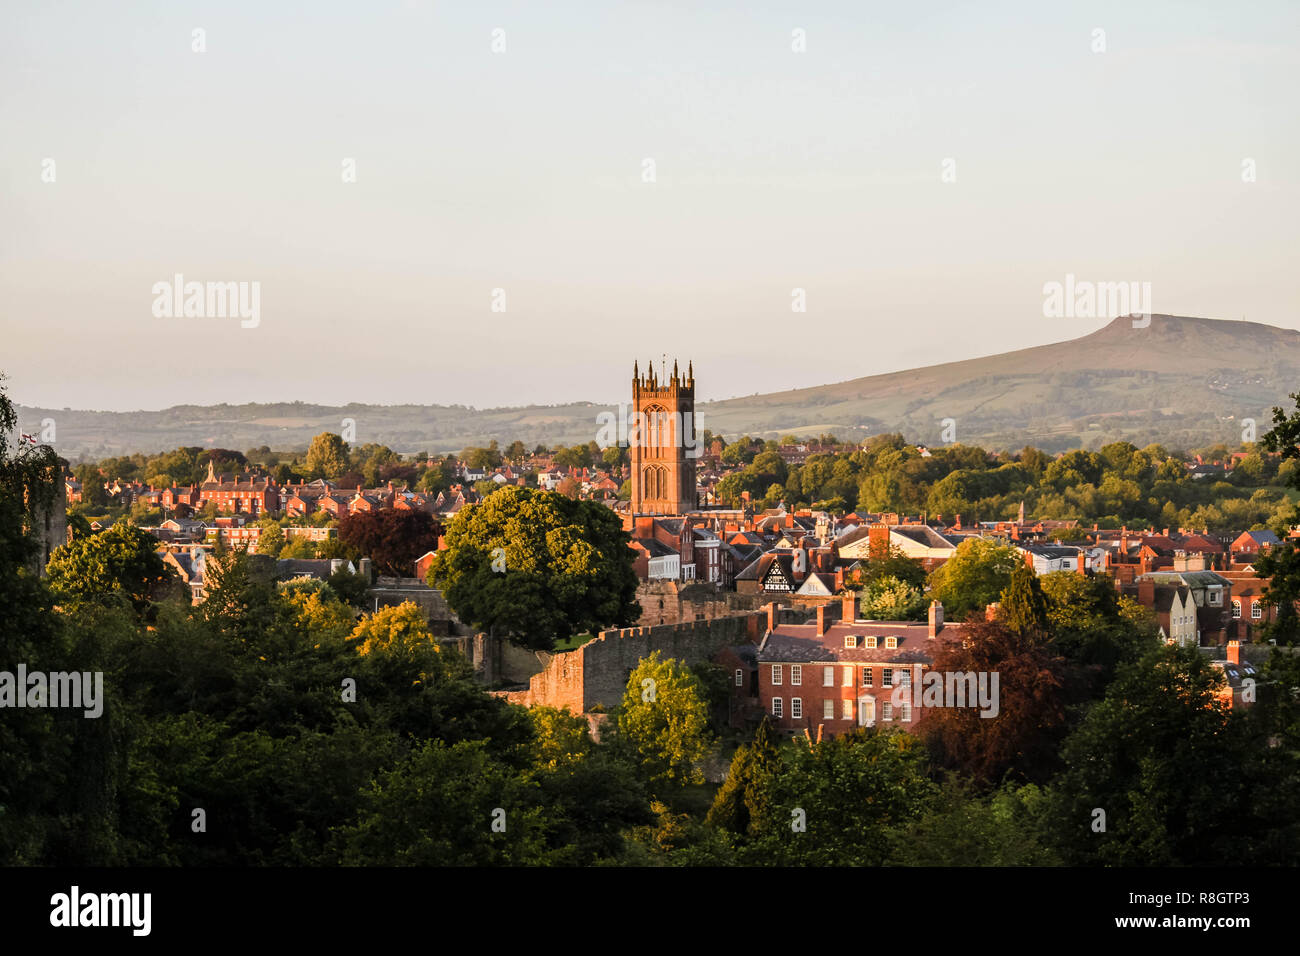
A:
(390, 592)
(677, 602)
(596, 673)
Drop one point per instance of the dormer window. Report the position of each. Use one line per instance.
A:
(891, 642)
(871, 642)
(851, 640)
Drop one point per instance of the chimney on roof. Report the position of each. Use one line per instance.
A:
(1146, 592)
(823, 621)
(771, 616)
(1234, 652)
(849, 606)
(936, 618)
(1083, 562)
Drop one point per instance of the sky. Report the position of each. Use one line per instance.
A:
(918, 170)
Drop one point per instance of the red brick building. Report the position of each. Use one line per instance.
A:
(829, 676)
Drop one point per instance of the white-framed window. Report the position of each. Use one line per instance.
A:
(850, 640)
(796, 707)
(776, 707)
(848, 708)
(776, 673)
(906, 711)
(868, 712)
(886, 710)
(828, 676)
(886, 677)
(1236, 609)
(1256, 611)
(891, 642)
(871, 642)
(903, 677)
(740, 677)
(828, 709)
(846, 678)
(1215, 596)
(796, 673)
(866, 677)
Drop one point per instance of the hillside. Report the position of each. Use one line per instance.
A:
(1182, 381)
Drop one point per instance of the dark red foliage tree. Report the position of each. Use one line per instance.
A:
(391, 539)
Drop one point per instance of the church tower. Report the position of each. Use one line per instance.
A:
(660, 433)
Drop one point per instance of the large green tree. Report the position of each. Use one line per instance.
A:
(974, 576)
(664, 718)
(537, 566)
(327, 457)
(120, 561)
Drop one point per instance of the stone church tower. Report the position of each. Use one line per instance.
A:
(663, 474)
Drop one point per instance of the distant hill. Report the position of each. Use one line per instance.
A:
(1185, 382)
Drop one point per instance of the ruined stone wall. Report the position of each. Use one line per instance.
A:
(390, 592)
(676, 602)
(596, 673)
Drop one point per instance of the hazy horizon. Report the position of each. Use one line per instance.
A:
(522, 170)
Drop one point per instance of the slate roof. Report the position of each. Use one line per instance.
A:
(799, 643)
(656, 549)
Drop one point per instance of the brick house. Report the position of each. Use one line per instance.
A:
(829, 676)
(249, 493)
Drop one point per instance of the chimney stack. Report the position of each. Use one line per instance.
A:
(1146, 592)
(991, 611)
(849, 606)
(1083, 561)
(771, 616)
(1234, 652)
(936, 618)
(822, 622)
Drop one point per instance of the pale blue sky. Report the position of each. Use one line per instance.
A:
(522, 170)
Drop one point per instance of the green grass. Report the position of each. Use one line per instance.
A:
(573, 642)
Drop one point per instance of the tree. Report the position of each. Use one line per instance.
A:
(892, 563)
(741, 804)
(664, 717)
(1005, 828)
(120, 561)
(271, 540)
(890, 599)
(391, 539)
(402, 630)
(1093, 628)
(1022, 607)
(1281, 565)
(974, 576)
(537, 566)
(1021, 735)
(438, 808)
(1160, 758)
(327, 457)
(811, 821)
